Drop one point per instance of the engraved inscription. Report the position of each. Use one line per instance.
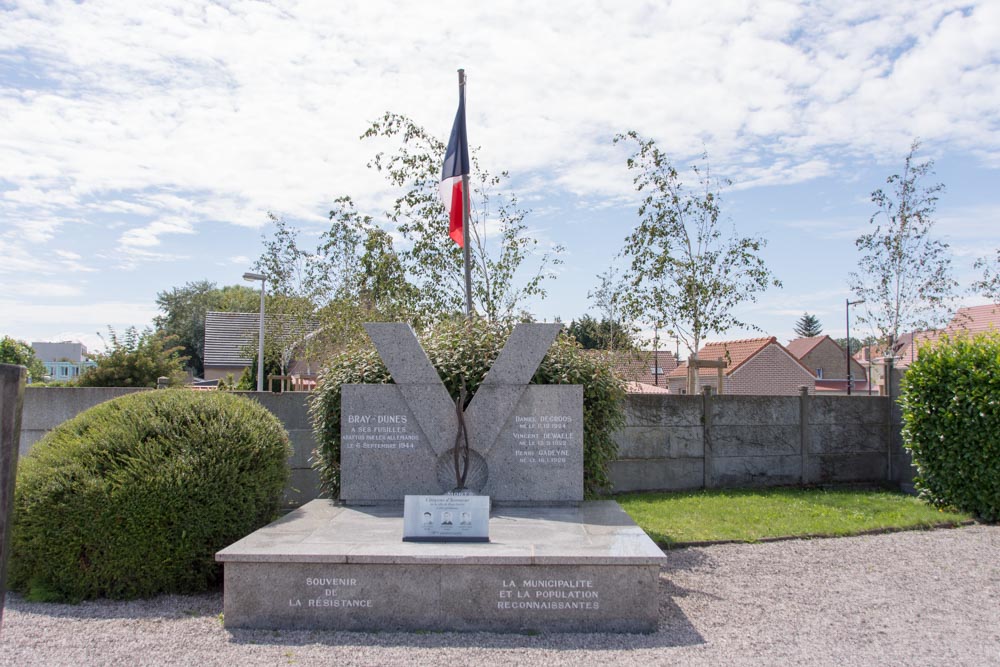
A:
(543, 439)
(331, 593)
(378, 432)
(560, 594)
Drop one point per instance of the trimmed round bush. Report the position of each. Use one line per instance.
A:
(459, 350)
(951, 423)
(133, 497)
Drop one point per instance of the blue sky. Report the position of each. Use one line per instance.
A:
(141, 144)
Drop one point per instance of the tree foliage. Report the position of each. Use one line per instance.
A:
(508, 267)
(989, 284)
(808, 326)
(687, 273)
(904, 275)
(184, 311)
(603, 334)
(135, 359)
(17, 352)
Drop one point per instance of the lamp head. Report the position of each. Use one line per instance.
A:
(253, 276)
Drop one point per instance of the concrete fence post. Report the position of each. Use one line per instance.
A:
(804, 417)
(706, 411)
(12, 380)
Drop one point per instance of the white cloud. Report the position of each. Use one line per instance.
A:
(149, 235)
(138, 122)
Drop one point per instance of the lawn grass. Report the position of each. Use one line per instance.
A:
(751, 515)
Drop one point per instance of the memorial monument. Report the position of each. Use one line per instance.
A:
(552, 563)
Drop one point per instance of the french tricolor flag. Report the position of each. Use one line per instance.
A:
(456, 165)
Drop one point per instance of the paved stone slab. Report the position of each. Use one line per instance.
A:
(563, 569)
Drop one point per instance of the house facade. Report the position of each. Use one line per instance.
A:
(230, 339)
(828, 362)
(754, 366)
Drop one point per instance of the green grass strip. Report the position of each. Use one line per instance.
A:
(752, 515)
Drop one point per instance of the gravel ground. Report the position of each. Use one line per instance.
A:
(927, 598)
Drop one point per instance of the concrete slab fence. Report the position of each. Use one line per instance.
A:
(669, 443)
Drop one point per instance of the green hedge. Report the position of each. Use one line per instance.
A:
(133, 497)
(457, 350)
(951, 423)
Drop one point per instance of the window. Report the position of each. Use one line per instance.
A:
(656, 370)
(819, 373)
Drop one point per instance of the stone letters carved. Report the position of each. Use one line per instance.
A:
(419, 461)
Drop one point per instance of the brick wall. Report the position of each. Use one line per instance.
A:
(832, 359)
(771, 372)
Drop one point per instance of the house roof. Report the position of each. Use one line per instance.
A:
(800, 347)
(637, 365)
(228, 334)
(972, 319)
(976, 319)
(735, 352)
(643, 388)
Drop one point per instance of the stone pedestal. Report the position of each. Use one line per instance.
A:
(563, 569)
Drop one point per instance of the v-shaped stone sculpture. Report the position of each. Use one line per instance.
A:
(526, 440)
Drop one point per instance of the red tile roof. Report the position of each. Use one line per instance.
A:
(800, 347)
(637, 365)
(735, 352)
(643, 388)
(976, 319)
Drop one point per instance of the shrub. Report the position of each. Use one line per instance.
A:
(133, 497)
(951, 421)
(458, 350)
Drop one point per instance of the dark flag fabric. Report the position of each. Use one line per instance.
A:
(456, 165)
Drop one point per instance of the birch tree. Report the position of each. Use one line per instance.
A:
(904, 273)
(688, 271)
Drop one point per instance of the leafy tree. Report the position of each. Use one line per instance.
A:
(903, 274)
(352, 276)
(808, 326)
(136, 359)
(604, 334)
(13, 351)
(502, 279)
(989, 284)
(272, 366)
(858, 343)
(184, 311)
(687, 273)
(608, 298)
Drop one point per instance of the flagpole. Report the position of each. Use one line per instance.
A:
(466, 250)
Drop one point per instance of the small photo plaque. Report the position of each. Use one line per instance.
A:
(446, 519)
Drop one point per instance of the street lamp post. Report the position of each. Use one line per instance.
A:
(260, 336)
(847, 312)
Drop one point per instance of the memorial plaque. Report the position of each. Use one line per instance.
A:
(382, 446)
(448, 518)
(538, 455)
(526, 441)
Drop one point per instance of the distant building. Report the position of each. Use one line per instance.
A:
(754, 366)
(828, 362)
(969, 320)
(230, 339)
(64, 361)
(645, 371)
